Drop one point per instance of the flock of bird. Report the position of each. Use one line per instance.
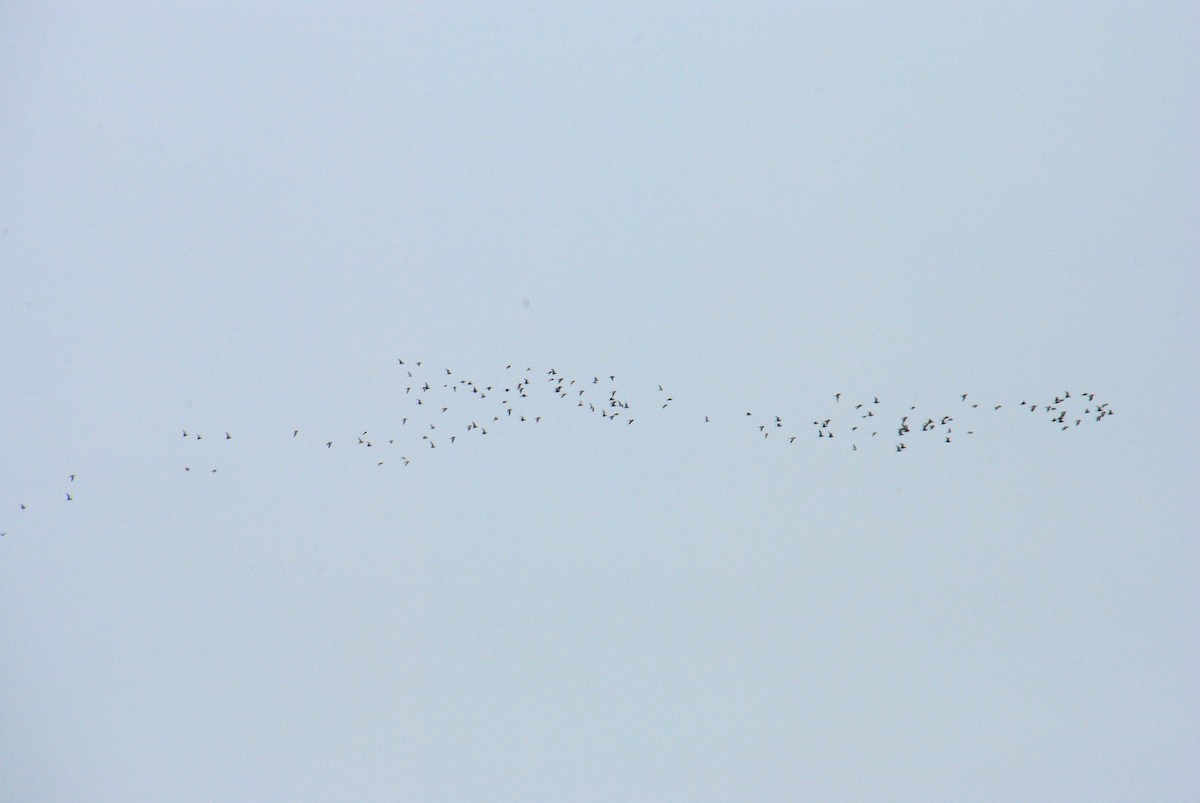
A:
(439, 409)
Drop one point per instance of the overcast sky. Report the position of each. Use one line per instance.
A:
(240, 221)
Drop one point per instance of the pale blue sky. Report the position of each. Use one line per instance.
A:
(238, 220)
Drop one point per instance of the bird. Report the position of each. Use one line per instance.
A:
(72, 478)
(68, 497)
(328, 444)
(295, 432)
(228, 436)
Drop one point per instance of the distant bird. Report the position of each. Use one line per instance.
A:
(295, 432)
(187, 468)
(227, 436)
(328, 444)
(72, 478)
(68, 497)
(185, 433)
(24, 508)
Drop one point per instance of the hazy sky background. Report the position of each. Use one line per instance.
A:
(240, 219)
